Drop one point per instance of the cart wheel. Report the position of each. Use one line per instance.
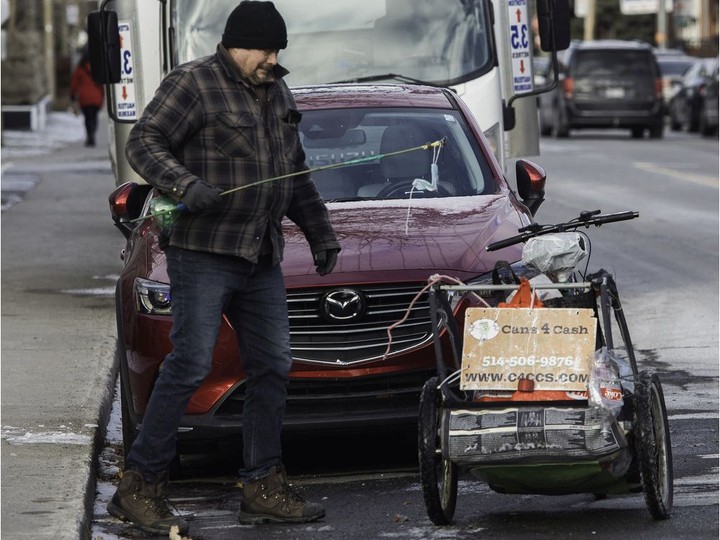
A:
(652, 445)
(438, 476)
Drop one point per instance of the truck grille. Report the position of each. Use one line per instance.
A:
(358, 333)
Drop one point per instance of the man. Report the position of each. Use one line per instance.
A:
(215, 124)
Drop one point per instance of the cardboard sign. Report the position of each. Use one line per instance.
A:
(553, 347)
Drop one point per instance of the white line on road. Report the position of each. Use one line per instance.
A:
(695, 416)
(710, 181)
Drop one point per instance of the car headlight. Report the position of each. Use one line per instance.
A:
(152, 297)
(519, 268)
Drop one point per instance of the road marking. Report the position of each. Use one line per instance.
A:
(694, 416)
(710, 181)
(701, 480)
(96, 166)
(97, 291)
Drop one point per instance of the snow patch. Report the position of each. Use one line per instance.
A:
(62, 129)
(49, 437)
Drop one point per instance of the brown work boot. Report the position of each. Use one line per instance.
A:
(272, 499)
(144, 504)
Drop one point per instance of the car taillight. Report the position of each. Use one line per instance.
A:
(702, 89)
(658, 88)
(569, 87)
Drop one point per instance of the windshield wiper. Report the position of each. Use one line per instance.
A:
(386, 76)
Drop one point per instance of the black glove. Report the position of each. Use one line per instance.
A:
(201, 197)
(325, 260)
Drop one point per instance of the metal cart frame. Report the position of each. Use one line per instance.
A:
(645, 464)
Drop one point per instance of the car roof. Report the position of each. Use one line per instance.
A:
(340, 96)
(675, 65)
(669, 52)
(669, 59)
(612, 44)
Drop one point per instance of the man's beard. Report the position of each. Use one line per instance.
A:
(257, 77)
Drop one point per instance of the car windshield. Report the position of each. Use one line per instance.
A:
(440, 41)
(612, 62)
(359, 154)
(674, 67)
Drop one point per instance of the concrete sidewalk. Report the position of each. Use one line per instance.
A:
(59, 264)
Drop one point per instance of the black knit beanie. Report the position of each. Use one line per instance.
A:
(255, 25)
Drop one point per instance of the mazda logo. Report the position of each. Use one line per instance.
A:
(343, 305)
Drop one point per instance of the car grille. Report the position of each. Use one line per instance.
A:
(316, 337)
(393, 396)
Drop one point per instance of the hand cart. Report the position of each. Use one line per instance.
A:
(528, 422)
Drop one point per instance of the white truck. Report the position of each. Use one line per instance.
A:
(482, 49)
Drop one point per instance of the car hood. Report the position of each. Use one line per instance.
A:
(394, 240)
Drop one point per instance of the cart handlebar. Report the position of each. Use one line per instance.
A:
(585, 219)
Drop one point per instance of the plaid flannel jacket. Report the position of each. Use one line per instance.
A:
(206, 123)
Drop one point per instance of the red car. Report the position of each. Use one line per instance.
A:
(401, 214)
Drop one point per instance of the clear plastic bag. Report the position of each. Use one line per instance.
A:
(555, 254)
(605, 389)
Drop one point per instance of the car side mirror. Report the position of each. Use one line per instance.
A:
(104, 46)
(530, 184)
(126, 204)
(553, 24)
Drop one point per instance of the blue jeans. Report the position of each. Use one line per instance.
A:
(203, 286)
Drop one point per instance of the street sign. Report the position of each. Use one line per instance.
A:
(520, 52)
(125, 101)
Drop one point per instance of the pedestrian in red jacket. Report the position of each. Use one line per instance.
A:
(89, 96)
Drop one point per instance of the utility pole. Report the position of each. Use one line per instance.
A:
(661, 34)
(49, 47)
(589, 22)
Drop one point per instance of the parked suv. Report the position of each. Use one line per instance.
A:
(606, 84)
(402, 212)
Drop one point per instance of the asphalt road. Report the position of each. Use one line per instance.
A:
(370, 488)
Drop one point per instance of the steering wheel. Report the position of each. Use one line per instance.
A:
(399, 190)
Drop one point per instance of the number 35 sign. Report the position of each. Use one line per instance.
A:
(520, 42)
